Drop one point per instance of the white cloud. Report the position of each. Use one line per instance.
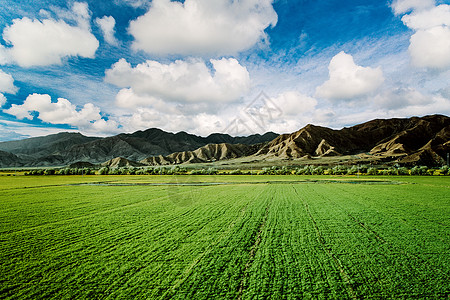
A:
(4, 55)
(404, 6)
(107, 24)
(7, 83)
(348, 80)
(78, 13)
(435, 16)
(181, 81)
(202, 27)
(431, 48)
(430, 44)
(102, 126)
(46, 42)
(399, 98)
(60, 112)
(294, 103)
(144, 118)
(127, 98)
(2, 100)
(234, 119)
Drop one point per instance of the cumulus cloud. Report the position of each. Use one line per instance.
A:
(127, 98)
(181, 81)
(430, 44)
(404, 6)
(60, 112)
(7, 83)
(40, 43)
(202, 27)
(107, 24)
(348, 80)
(426, 19)
(295, 103)
(431, 48)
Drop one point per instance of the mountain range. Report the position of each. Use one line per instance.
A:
(408, 141)
(68, 148)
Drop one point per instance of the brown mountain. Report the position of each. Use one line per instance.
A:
(410, 141)
(208, 153)
(120, 162)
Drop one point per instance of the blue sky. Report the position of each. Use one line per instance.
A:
(200, 66)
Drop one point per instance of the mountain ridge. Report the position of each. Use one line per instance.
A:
(67, 148)
(409, 141)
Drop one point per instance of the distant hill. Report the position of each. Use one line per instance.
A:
(38, 147)
(9, 160)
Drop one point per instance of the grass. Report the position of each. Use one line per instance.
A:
(254, 237)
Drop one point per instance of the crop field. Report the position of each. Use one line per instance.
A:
(224, 237)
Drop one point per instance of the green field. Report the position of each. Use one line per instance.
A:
(226, 237)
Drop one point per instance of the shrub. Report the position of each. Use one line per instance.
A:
(363, 169)
(372, 171)
(353, 170)
(49, 172)
(104, 171)
(212, 171)
(338, 170)
(236, 172)
(402, 171)
(423, 170)
(391, 171)
(198, 172)
(318, 170)
(140, 172)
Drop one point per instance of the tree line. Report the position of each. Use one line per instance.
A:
(305, 170)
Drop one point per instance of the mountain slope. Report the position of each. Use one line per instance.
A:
(411, 141)
(9, 160)
(208, 153)
(54, 144)
(120, 162)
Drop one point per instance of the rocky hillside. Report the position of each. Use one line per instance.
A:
(120, 162)
(415, 140)
(208, 153)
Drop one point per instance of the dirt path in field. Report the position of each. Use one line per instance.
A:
(351, 292)
(252, 253)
